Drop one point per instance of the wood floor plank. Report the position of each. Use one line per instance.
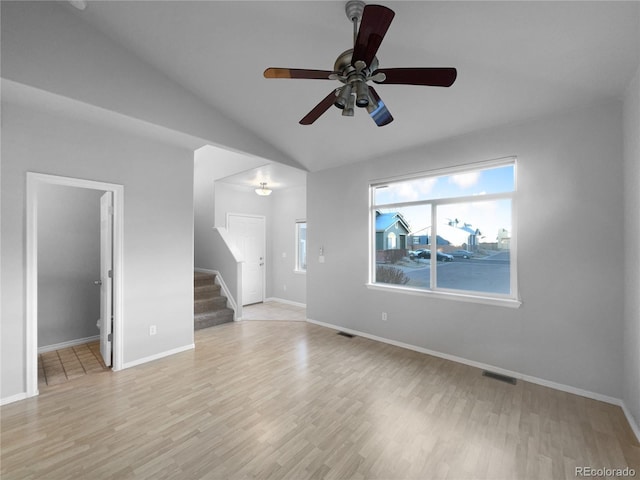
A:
(276, 400)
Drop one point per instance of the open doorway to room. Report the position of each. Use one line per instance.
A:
(74, 278)
(247, 212)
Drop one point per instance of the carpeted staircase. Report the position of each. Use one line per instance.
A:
(209, 306)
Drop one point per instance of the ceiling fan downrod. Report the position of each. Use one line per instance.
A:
(354, 9)
(355, 91)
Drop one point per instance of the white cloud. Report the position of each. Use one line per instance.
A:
(465, 180)
(411, 190)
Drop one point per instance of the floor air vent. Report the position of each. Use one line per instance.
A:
(345, 334)
(497, 376)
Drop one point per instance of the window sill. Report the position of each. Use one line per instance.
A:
(300, 272)
(461, 297)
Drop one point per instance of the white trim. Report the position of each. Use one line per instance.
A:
(70, 343)
(231, 303)
(34, 180)
(296, 268)
(461, 297)
(513, 298)
(632, 421)
(480, 365)
(14, 398)
(437, 172)
(158, 356)
(285, 301)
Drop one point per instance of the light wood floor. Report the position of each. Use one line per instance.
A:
(274, 311)
(275, 399)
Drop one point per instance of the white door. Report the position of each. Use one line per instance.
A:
(248, 233)
(106, 276)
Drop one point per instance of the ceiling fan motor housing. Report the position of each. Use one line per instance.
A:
(355, 79)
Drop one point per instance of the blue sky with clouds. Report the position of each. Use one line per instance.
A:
(487, 216)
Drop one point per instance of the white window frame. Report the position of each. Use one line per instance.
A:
(509, 300)
(297, 267)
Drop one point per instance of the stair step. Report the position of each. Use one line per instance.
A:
(211, 319)
(206, 291)
(209, 304)
(203, 278)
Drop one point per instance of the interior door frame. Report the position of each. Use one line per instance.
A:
(264, 245)
(34, 181)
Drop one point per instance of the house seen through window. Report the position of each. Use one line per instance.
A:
(450, 232)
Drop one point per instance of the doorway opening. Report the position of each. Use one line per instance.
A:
(109, 280)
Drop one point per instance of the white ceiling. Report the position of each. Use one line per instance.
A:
(515, 60)
(247, 171)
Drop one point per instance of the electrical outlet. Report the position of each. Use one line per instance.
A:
(152, 330)
(384, 316)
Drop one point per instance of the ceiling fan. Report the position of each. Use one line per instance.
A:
(356, 66)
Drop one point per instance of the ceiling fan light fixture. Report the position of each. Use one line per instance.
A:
(349, 110)
(263, 191)
(362, 94)
(343, 97)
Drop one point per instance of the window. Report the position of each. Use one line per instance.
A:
(301, 246)
(457, 232)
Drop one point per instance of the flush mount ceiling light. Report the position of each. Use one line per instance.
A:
(263, 191)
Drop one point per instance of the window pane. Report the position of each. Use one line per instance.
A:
(473, 182)
(477, 235)
(401, 246)
(301, 246)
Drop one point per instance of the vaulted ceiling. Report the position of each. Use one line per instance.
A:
(515, 60)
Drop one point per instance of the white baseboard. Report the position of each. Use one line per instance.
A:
(70, 343)
(286, 302)
(158, 356)
(13, 398)
(632, 421)
(484, 366)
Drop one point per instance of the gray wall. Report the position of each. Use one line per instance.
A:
(632, 248)
(210, 164)
(68, 263)
(570, 253)
(281, 210)
(158, 227)
(289, 206)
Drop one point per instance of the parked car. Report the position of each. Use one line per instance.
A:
(461, 253)
(426, 254)
(445, 257)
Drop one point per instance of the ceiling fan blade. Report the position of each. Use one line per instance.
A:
(380, 114)
(319, 109)
(297, 73)
(373, 27)
(434, 77)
